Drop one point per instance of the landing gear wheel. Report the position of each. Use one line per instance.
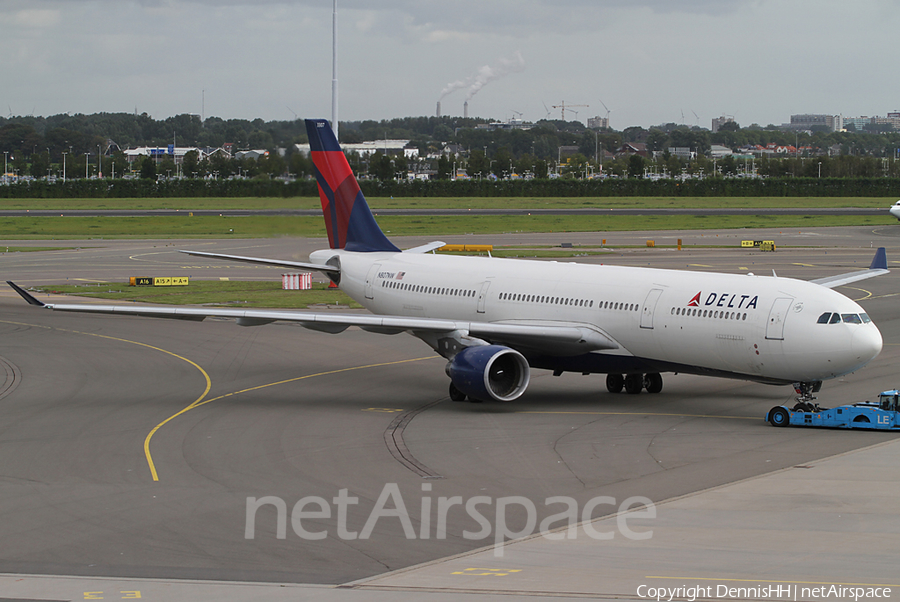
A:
(456, 394)
(653, 382)
(614, 383)
(778, 416)
(634, 383)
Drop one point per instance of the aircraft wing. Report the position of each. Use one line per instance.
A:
(877, 268)
(565, 338)
(294, 265)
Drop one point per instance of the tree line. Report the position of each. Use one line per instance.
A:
(709, 187)
(76, 146)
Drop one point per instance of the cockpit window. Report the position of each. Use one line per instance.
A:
(834, 318)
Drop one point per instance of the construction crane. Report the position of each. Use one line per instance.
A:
(607, 112)
(564, 107)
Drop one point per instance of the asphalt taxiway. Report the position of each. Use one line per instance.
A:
(94, 407)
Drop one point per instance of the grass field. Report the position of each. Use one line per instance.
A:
(78, 228)
(188, 204)
(187, 226)
(211, 292)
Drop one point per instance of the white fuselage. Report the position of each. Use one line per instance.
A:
(895, 210)
(757, 327)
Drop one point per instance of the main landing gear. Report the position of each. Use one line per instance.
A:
(634, 383)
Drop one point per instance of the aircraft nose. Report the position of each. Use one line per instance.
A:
(866, 343)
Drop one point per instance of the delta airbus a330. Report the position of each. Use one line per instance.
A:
(496, 319)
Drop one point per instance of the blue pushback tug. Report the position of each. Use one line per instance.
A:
(883, 414)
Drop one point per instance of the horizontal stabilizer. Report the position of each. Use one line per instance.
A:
(878, 267)
(432, 246)
(294, 265)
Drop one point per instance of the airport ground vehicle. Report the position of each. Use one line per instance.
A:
(882, 415)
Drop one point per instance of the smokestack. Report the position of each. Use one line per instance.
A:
(466, 110)
(439, 109)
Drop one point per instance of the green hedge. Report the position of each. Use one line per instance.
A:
(711, 187)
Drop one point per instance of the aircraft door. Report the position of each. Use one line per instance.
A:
(775, 325)
(650, 308)
(370, 280)
(482, 295)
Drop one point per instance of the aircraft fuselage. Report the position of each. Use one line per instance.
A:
(755, 327)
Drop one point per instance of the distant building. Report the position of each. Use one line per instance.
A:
(512, 124)
(682, 152)
(720, 121)
(160, 153)
(718, 152)
(251, 154)
(807, 121)
(365, 149)
(892, 119)
(568, 151)
(632, 148)
(598, 123)
(858, 123)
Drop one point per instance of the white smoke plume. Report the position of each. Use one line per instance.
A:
(485, 75)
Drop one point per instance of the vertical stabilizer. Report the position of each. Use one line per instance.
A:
(348, 219)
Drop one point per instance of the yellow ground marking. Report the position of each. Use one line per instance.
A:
(121, 340)
(839, 583)
(487, 572)
(862, 290)
(699, 265)
(201, 402)
(805, 265)
(644, 414)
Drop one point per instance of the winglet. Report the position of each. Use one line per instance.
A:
(879, 262)
(24, 294)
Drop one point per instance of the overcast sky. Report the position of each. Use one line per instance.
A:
(649, 61)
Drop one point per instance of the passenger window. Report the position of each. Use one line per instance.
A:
(823, 319)
(835, 319)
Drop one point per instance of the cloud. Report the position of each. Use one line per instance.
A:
(35, 18)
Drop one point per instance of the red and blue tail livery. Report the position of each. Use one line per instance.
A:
(349, 221)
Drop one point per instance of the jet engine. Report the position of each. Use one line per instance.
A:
(489, 372)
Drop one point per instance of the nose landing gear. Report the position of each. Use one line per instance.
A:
(806, 401)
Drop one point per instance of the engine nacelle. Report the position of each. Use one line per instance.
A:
(490, 372)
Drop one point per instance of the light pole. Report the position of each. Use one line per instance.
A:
(86, 155)
(64, 166)
(99, 164)
(820, 169)
(5, 157)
